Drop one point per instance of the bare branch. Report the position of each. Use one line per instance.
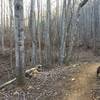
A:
(83, 3)
(7, 83)
(28, 73)
(80, 6)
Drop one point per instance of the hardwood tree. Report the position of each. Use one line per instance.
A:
(96, 27)
(64, 27)
(33, 32)
(47, 35)
(2, 27)
(19, 41)
(11, 30)
(38, 31)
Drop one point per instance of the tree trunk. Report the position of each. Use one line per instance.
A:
(11, 30)
(38, 31)
(64, 28)
(2, 27)
(96, 26)
(47, 40)
(33, 32)
(19, 41)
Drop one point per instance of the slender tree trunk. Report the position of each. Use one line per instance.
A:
(63, 32)
(56, 50)
(48, 46)
(2, 26)
(96, 26)
(38, 31)
(19, 41)
(11, 31)
(64, 29)
(57, 14)
(71, 29)
(33, 32)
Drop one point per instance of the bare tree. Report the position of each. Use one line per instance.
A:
(11, 29)
(64, 28)
(82, 3)
(38, 31)
(19, 41)
(2, 26)
(71, 29)
(75, 27)
(96, 26)
(47, 39)
(33, 32)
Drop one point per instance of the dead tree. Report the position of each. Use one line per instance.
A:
(19, 41)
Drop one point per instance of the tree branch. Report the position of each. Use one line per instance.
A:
(83, 3)
(7, 83)
(80, 6)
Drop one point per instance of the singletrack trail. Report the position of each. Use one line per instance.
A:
(84, 82)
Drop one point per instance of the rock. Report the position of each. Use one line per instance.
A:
(73, 79)
(64, 77)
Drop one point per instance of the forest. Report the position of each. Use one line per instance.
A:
(49, 50)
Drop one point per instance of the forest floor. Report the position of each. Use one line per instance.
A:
(74, 82)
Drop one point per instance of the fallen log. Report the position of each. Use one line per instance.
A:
(28, 73)
(7, 83)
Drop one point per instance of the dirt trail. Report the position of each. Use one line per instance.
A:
(83, 83)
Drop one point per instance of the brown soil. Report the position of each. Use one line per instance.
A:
(74, 82)
(84, 81)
